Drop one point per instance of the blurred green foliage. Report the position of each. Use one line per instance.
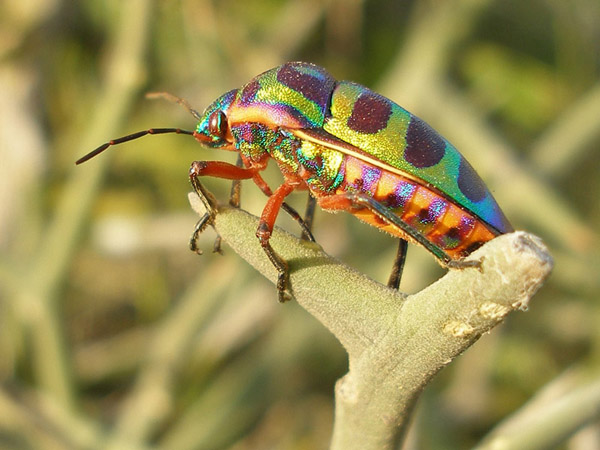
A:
(113, 334)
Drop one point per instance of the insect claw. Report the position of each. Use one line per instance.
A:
(283, 272)
(209, 201)
(480, 264)
(201, 225)
(194, 244)
(284, 296)
(217, 245)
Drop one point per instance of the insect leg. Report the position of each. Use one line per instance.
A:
(234, 200)
(217, 169)
(398, 267)
(201, 225)
(306, 233)
(263, 233)
(236, 186)
(309, 215)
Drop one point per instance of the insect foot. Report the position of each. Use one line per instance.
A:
(209, 203)
(263, 233)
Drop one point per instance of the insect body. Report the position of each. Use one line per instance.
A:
(354, 150)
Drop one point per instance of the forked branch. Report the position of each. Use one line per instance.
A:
(395, 343)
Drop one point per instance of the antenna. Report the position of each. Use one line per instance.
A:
(173, 98)
(139, 134)
(131, 137)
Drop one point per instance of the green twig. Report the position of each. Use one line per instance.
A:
(395, 343)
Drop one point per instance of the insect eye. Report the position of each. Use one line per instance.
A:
(217, 125)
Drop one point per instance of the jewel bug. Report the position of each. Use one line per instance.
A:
(353, 150)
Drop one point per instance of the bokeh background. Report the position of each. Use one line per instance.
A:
(114, 335)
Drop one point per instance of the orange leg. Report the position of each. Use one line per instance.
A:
(217, 169)
(222, 169)
(263, 233)
(305, 223)
(228, 171)
(275, 202)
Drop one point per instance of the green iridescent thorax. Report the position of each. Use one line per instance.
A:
(257, 141)
(318, 165)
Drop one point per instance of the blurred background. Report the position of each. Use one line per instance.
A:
(114, 335)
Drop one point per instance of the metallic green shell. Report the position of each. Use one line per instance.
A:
(392, 135)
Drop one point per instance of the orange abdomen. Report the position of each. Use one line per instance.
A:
(455, 231)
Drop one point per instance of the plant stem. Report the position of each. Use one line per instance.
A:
(396, 344)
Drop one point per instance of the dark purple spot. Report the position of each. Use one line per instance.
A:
(424, 146)
(358, 183)
(424, 216)
(433, 212)
(469, 182)
(392, 200)
(317, 90)
(453, 234)
(249, 92)
(401, 195)
(466, 225)
(370, 114)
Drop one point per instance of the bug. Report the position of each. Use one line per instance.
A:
(353, 150)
